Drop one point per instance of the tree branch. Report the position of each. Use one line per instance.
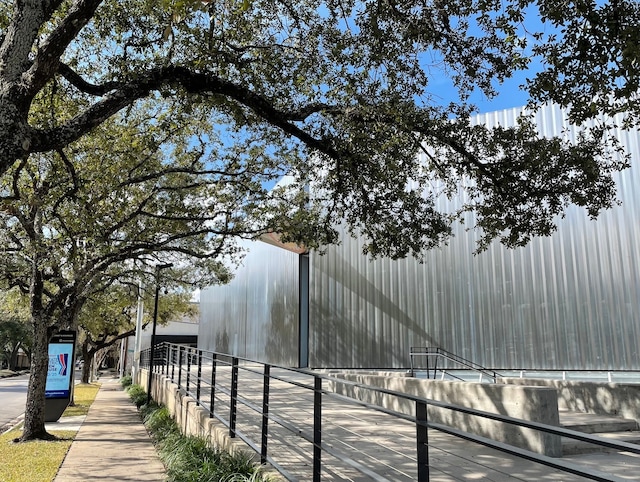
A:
(82, 85)
(47, 59)
(27, 18)
(193, 83)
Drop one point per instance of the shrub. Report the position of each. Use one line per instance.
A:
(158, 420)
(189, 458)
(137, 395)
(126, 381)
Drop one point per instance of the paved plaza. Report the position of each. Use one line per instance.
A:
(378, 442)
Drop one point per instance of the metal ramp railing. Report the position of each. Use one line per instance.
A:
(437, 353)
(291, 417)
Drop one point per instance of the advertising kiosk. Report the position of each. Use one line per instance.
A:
(60, 374)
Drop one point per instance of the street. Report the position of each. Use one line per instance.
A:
(13, 397)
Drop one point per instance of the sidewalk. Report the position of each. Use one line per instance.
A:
(112, 443)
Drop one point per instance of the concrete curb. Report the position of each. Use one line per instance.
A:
(14, 374)
(12, 424)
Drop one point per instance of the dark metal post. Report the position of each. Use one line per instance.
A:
(411, 361)
(234, 398)
(153, 332)
(165, 350)
(265, 413)
(199, 379)
(153, 338)
(173, 363)
(435, 367)
(179, 365)
(422, 441)
(214, 362)
(168, 359)
(188, 350)
(317, 428)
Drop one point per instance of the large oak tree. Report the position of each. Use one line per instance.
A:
(104, 211)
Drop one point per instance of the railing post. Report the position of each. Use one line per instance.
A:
(179, 365)
(422, 440)
(435, 367)
(198, 381)
(188, 351)
(265, 413)
(411, 361)
(165, 366)
(234, 398)
(173, 363)
(168, 360)
(214, 363)
(161, 365)
(317, 428)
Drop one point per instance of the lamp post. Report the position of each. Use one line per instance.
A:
(153, 331)
(138, 339)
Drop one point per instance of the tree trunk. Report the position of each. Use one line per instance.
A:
(87, 357)
(13, 357)
(34, 411)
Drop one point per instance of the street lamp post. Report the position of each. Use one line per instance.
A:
(138, 340)
(153, 331)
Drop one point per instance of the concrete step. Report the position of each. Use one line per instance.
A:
(591, 423)
(607, 426)
(575, 447)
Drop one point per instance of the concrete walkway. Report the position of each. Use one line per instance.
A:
(112, 444)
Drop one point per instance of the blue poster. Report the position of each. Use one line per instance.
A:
(59, 373)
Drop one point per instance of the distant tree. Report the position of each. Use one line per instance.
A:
(109, 316)
(15, 332)
(14, 336)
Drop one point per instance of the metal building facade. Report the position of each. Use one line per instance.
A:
(256, 315)
(570, 301)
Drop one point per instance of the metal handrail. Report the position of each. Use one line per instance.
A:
(437, 353)
(174, 359)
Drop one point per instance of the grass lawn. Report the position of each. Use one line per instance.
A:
(83, 396)
(38, 461)
(32, 461)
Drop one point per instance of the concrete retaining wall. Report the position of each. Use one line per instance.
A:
(591, 397)
(538, 404)
(193, 419)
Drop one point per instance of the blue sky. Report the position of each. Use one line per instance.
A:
(509, 95)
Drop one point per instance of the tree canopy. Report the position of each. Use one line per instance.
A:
(15, 331)
(341, 92)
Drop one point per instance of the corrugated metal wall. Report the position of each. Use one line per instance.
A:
(571, 301)
(256, 315)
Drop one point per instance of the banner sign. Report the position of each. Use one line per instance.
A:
(61, 356)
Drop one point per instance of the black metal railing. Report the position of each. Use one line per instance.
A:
(177, 362)
(434, 354)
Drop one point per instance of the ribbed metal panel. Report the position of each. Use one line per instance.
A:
(256, 315)
(570, 301)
